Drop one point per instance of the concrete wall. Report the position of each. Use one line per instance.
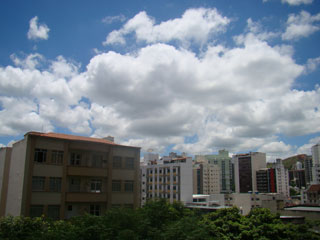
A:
(5, 158)
(258, 161)
(16, 178)
(186, 181)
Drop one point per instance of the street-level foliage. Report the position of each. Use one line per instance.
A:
(158, 220)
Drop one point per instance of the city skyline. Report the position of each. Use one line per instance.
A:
(183, 77)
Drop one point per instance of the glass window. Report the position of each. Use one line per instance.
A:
(95, 209)
(36, 210)
(130, 163)
(116, 185)
(40, 155)
(54, 212)
(75, 159)
(57, 157)
(96, 185)
(97, 161)
(116, 162)
(55, 184)
(128, 186)
(38, 183)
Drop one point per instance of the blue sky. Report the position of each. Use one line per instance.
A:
(187, 76)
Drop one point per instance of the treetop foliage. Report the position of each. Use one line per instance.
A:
(157, 220)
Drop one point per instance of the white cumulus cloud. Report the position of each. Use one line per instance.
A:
(301, 25)
(37, 31)
(297, 2)
(195, 25)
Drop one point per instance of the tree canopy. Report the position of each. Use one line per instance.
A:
(157, 220)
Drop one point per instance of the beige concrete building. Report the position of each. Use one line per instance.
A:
(206, 176)
(62, 175)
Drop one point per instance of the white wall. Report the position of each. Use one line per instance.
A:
(2, 161)
(16, 178)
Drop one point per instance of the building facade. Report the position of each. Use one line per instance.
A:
(282, 175)
(224, 163)
(316, 163)
(245, 168)
(171, 179)
(266, 180)
(206, 178)
(62, 176)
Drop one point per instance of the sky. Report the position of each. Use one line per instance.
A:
(185, 76)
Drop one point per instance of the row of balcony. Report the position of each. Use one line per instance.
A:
(162, 174)
(163, 183)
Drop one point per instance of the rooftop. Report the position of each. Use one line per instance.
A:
(74, 138)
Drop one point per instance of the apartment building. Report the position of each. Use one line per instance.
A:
(171, 179)
(266, 180)
(223, 161)
(282, 176)
(245, 168)
(62, 176)
(206, 177)
(316, 163)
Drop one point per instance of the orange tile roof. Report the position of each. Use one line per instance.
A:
(74, 138)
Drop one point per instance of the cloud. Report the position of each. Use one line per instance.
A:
(306, 148)
(240, 98)
(301, 25)
(195, 25)
(277, 149)
(297, 2)
(312, 64)
(112, 19)
(37, 31)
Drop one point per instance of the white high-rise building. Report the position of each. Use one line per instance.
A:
(171, 179)
(316, 163)
(282, 175)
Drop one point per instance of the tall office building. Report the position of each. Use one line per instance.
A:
(307, 162)
(245, 168)
(223, 161)
(266, 180)
(282, 175)
(62, 175)
(316, 163)
(171, 179)
(206, 177)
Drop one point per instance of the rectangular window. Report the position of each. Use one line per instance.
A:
(96, 185)
(116, 162)
(95, 210)
(40, 155)
(36, 210)
(116, 185)
(38, 183)
(97, 161)
(129, 163)
(54, 212)
(57, 157)
(74, 185)
(128, 186)
(55, 184)
(75, 159)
